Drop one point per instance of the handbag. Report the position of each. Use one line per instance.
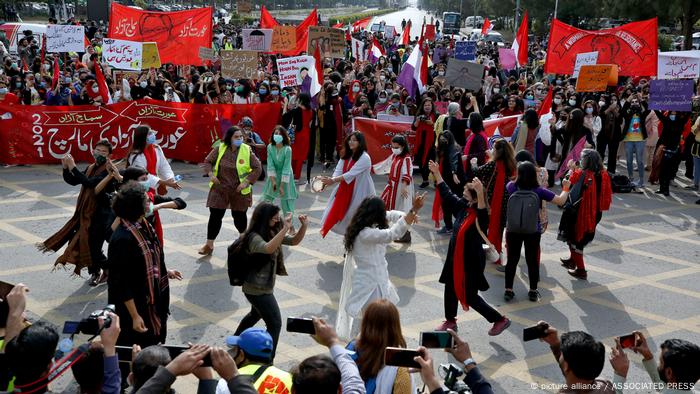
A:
(290, 133)
(490, 251)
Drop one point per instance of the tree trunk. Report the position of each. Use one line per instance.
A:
(687, 24)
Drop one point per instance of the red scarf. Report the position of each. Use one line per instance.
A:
(468, 146)
(592, 202)
(437, 206)
(341, 202)
(459, 274)
(496, 203)
(151, 164)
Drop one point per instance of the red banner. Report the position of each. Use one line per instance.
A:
(179, 34)
(44, 134)
(632, 46)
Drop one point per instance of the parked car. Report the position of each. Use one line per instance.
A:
(474, 21)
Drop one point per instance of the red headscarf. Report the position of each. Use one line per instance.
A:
(351, 94)
(591, 202)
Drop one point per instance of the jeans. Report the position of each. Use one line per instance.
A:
(263, 307)
(514, 242)
(635, 148)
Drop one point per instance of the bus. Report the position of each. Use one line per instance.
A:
(451, 22)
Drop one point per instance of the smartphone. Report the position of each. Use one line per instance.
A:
(627, 341)
(300, 325)
(400, 357)
(436, 340)
(535, 332)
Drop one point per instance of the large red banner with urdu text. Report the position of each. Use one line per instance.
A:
(44, 134)
(179, 34)
(632, 46)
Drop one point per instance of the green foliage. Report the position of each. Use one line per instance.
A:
(347, 19)
(666, 43)
(141, 3)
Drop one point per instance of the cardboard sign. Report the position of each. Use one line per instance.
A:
(122, 54)
(257, 39)
(330, 41)
(506, 56)
(239, 64)
(284, 38)
(679, 64)
(464, 74)
(586, 58)
(65, 38)
(358, 50)
(118, 75)
(465, 50)
(293, 70)
(207, 54)
(596, 78)
(151, 56)
(671, 94)
(429, 32)
(389, 32)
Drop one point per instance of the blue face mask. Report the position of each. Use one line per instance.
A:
(3, 90)
(277, 138)
(672, 117)
(151, 139)
(237, 143)
(262, 91)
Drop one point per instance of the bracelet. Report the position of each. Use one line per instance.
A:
(565, 190)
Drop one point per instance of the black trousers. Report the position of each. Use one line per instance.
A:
(514, 243)
(263, 307)
(447, 214)
(97, 234)
(475, 302)
(216, 215)
(327, 143)
(669, 168)
(602, 142)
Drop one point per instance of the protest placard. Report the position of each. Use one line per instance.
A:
(118, 75)
(506, 57)
(331, 41)
(122, 54)
(596, 78)
(284, 38)
(585, 58)
(293, 70)
(244, 7)
(429, 32)
(358, 50)
(257, 39)
(671, 94)
(389, 32)
(464, 74)
(465, 50)
(678, 65)
(207, 54)
(239, 64)
(151, 55)
(65, 38)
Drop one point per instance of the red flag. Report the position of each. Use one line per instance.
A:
(267, 21)
(406, 35)
(520, 43)
(430, 32)
(546, 106)
(339, 25)
(56, 72)
(43, 51)
(632, 47)
(487, 27)
(361, 24)
(179, 34)
(102, 85)
(424, 62)
(316, 84)
(303, 33)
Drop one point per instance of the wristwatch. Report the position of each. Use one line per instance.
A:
(470, 362)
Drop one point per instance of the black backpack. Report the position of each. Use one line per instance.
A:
(523, 212)
(621, 184)
(236, 261)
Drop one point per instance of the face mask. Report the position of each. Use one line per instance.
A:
(3, 90)
(237, 143)
(572, 102)
(382, 100)
(149, 183)
(14, 66)
(99, 159)
(672, 117)
(557, 101)
(441, 73)
(143, 84)
(47, 67)
(95, 89)
(396, 151)
(601, 103)
(382, 77)
(275, 92)
(355, 89)
(496, 90)
(18, 84)
(42, 84)
(277, 138)
(167, 88)
(530, 97)
(558, 82)
(262, 91)
(151, 139)
(334, 94)
(229, 87)
(390, 91)
(239, 89)
(67, 80)
(589, 110)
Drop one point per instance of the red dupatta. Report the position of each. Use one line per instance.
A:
(151, 164)
(341, 202)
(458, 272)
(437, 214)
(496, 204)
(592, 202)
(468, 146)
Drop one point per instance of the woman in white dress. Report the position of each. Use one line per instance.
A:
(366, 274)
(353, 174)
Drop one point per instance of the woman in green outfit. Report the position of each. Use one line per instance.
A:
(280, 182)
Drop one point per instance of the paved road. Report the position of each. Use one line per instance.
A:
(414, 14)
(643, 275)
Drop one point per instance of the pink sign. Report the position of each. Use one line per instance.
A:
(506, 57)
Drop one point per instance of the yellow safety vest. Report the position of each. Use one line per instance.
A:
(273, 380)
(242, 165)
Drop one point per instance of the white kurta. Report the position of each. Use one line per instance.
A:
(364, 187)
(366, 272)
(400, 172)
(163, 170)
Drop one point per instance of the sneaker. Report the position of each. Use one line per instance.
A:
(691, 187)
(534, 295)
(499, 326)
(664, 192)
(94, 279)
(444, 231)
(424, 185)
(508, 295)
(451, 324)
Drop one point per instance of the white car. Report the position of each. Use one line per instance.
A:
(474, 21)
(493, 36)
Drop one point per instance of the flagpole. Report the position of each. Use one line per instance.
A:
(556, 5)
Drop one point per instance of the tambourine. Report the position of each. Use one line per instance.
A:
(317, 185)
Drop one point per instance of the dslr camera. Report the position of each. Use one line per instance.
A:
(451, 374)
(90, 325)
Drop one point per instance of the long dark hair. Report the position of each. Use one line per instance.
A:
(362, 148)
(532, 120)
(449, 146)
(401, 140)
(527, 176)
(260, 222)
(371, 212)
(138, 141)
(283, 133)
(476, 122)
(503, 150)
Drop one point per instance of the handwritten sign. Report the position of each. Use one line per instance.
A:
(293, 70)
(122, 54)
(207, 54)
(464, 74)
(239, 64)
(596, 78)
(584, 59)
(284, 38)
(358, 50)
(65, 38)
(677, 65)
(465, 50)
(671, 94)
(151, 56)
(330, 41)
(258, 39)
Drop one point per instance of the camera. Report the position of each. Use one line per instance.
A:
(90, 325)
(451, 374)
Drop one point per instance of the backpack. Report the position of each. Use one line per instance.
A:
(235, 261)
(523, 212)
(621, 184)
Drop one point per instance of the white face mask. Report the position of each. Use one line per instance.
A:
(497, 90)
(601, 103)
(396, 151)
(557, 101)
(382, 100)
(572, 102)
(143, 84)
(95, 88)
(441, 73)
